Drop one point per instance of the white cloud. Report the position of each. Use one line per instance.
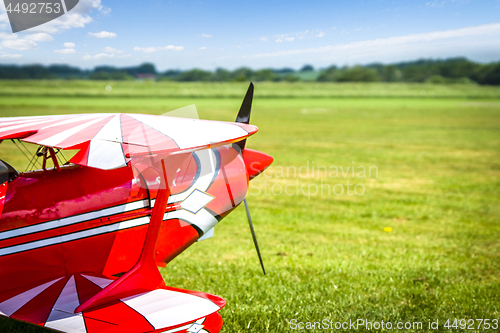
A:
(203, 48)
(289, 37)
(65, 51)
(158, 48)
(435, 3)
(19, 44)
(98, 56)
(86, 6)
(283, 37)
(7, 35)
(105, 56)
(384, 44)
(40, 37)
(103, 34)
(11, 56)
(78, 17)
(206, 35)
(109, 49)
(69, 45)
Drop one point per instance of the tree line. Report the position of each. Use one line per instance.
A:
(453, 70)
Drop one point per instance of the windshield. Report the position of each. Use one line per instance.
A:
(7, 172)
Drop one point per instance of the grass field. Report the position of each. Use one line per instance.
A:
(431, 155)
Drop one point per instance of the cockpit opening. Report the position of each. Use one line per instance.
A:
(7, 172)
(40, 158)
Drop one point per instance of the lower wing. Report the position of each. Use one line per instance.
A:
(52, 304)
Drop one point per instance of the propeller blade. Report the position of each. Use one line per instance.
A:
(244, 114)
(254, 236)
(244, 117)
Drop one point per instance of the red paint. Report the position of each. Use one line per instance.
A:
(256, 162)
(39, 197)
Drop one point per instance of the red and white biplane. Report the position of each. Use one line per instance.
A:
(81, 241)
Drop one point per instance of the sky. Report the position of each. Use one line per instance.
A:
(257, 34)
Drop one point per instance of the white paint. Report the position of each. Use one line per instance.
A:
(8, 307)
(74, 236)
(101, 282)
(73, 219)
(192, 133)
(207, 170)
(207, 234)
(196, 201)
(54, 140)
(112, 131)
(106, 155)
(62, 316)
(164, 308)
(203, 219)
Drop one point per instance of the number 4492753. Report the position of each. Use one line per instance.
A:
(34, 8)
(471, 324)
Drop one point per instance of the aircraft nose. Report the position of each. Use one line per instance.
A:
(256, 162)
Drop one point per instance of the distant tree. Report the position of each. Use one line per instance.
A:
(492, 75)
(291, 78)
(453, 70)
(100, 76)
(196, 75)
(222, 74)
(242, 74)
(307, 68)
(390, 73)
(436, 79)
(11, 72)
(456, 68)
(107, 69)
(120, 76)
(171, 73)
(37, 72)
(65, 71)
(240, 78)
(146, 68)
(285, 70)
(264, 75)
(329, 75)
(358, 74)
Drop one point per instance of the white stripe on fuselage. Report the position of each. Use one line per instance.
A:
(74, 219)
(203, 219)
(74, 236)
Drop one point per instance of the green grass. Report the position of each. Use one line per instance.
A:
(151, 89)
(327, 256)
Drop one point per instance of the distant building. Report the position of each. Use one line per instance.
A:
(145, 76)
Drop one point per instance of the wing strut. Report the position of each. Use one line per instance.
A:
(144, 276)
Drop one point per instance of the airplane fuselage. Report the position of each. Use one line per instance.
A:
(82, 219)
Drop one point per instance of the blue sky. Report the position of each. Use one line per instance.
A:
(257, 34)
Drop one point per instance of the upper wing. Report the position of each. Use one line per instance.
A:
(52, 304)
(108, 141)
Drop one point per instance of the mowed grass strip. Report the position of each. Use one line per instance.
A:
(431, 175)
(151, 89)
